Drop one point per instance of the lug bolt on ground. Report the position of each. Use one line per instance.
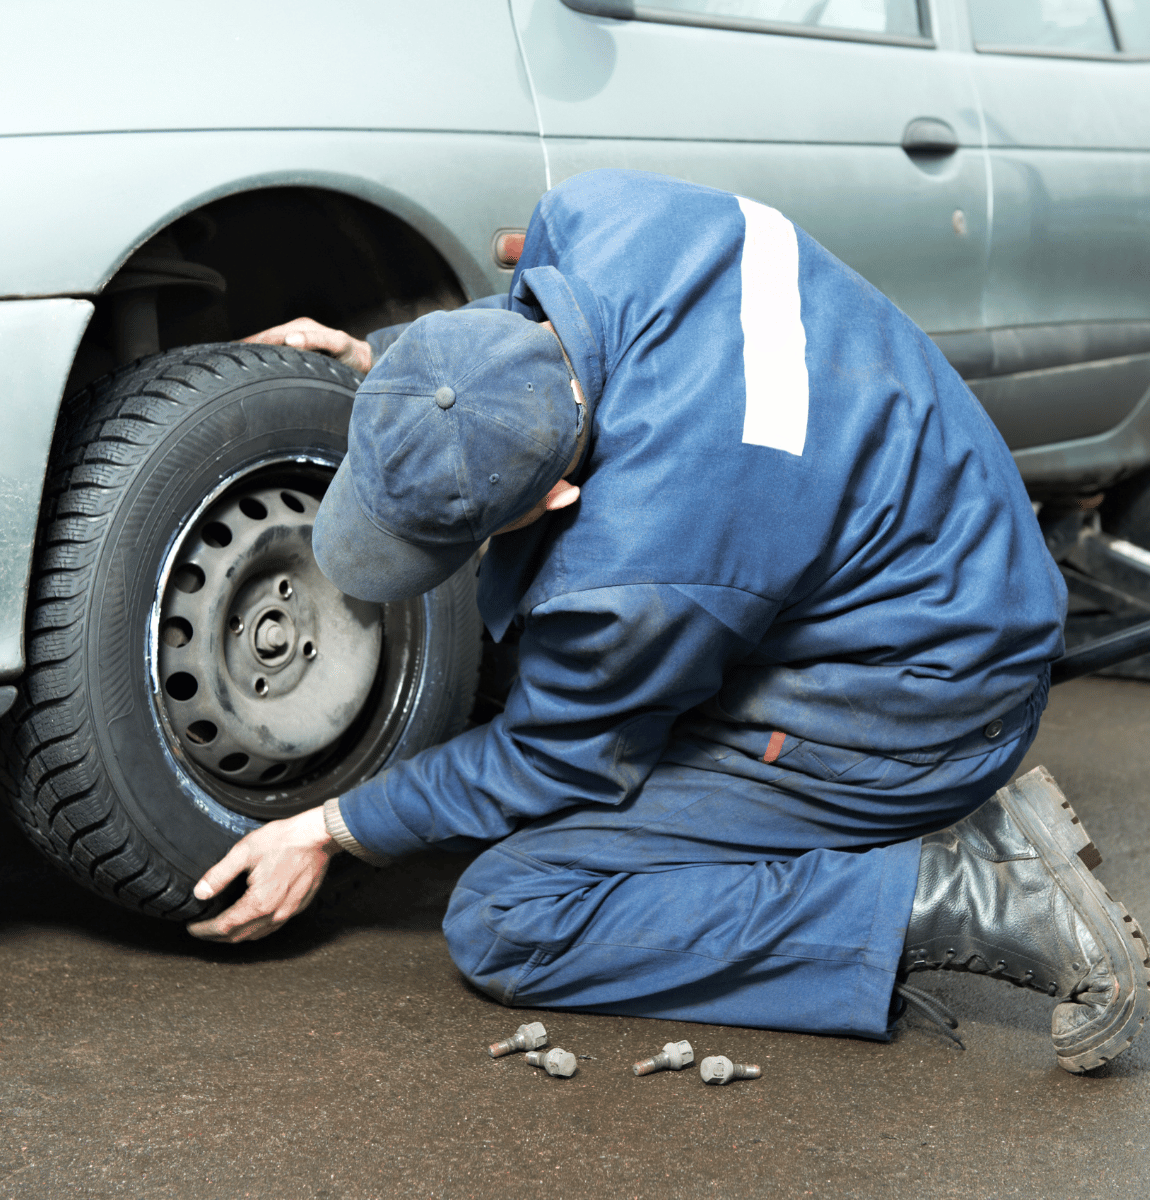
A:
(674, 1057)
(554, 1062)
(720, 1069)
(526, 1037)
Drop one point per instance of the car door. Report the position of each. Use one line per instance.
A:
(856, 118)
(1065, 86)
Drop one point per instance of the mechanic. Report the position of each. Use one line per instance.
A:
(785, 611)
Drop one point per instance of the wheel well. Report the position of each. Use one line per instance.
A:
(256, 259)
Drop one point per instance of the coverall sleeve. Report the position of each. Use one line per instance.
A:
(381, 340)
(603, 676)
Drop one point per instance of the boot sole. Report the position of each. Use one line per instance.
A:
(1045, 817)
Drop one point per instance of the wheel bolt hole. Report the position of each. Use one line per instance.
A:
(273, 772)
(217, 535)
(201, 732)
(233, 762)
(176, 631)
(261, 686)
(285, 588)
(309, 649)
(188, 577)
(181, 685)
(251, 507)
(236, 624)
(292, 501)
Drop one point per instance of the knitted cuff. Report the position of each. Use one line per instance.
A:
(333, 819)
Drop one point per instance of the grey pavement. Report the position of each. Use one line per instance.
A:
(345, 1057)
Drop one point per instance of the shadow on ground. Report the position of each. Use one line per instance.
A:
(345, 1057)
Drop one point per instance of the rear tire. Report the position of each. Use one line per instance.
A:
(148, 735)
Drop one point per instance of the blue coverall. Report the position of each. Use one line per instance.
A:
(801, 614)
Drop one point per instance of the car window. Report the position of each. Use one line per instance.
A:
(898, 21)
(1132, 17)
(900, 17)
(1058, 25)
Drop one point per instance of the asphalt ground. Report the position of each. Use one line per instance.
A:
(346, 1058)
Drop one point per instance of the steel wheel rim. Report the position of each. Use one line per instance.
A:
(283, 708)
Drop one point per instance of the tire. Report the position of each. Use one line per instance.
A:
(190, 672)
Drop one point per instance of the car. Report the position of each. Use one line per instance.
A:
(173, 667)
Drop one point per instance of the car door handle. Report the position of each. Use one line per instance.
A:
(929, 135)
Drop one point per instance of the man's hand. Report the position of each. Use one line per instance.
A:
(285, 861)
(305, 334)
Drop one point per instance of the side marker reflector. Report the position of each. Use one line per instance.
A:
(507, 246)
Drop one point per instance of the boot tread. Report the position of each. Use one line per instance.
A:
(1118, 936)
(1103, 1003)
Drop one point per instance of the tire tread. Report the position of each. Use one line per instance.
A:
(60, 798)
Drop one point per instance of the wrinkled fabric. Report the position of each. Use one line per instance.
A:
(886, 591)
(879, 592)
(754, 899)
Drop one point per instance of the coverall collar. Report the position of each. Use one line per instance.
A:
(570, 305)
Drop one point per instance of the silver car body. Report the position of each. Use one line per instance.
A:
(999, 194)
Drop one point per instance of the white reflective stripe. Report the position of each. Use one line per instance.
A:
(774, 341)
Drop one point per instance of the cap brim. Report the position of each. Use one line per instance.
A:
(366, 562)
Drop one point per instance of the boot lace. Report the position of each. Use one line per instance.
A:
(931, 1008)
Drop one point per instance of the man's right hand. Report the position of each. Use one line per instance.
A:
(305, 334)
(285, 863)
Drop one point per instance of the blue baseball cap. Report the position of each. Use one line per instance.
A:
(464, 425)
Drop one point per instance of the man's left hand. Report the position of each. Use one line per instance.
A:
(285, 861)
(305, 334)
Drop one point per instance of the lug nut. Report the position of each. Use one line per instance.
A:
(526, 1037)
(554, 1062)
(675, 1056)
(720, 1069)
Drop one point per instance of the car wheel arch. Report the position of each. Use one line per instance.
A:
(397, 259)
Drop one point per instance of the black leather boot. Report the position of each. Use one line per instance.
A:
(1008, 892)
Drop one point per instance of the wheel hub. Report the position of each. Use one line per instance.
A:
(274, 637)
(263, 663)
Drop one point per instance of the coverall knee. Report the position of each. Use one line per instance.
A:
(727, 890)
